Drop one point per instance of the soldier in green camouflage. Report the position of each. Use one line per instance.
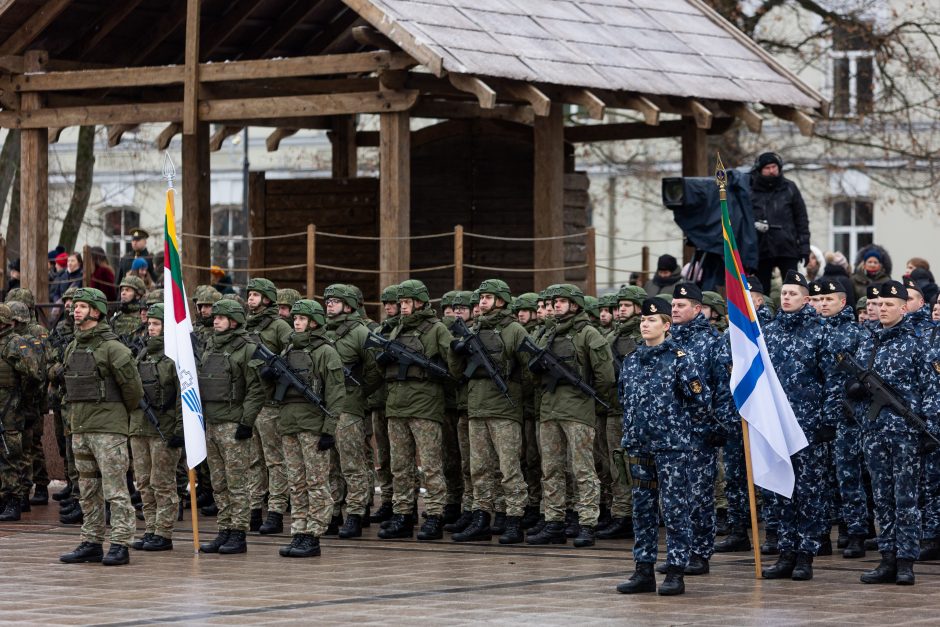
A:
(307, 433)
(60, 337)
(286, 297)
(156, 458)
(715, 310)
(525, 306)
(460, 304)
(204, 297)
(453, 479)
(102, 388)
(266, 327)
(20, 369)
(607, 306)
(383, 469)
(232, 397)
(126, 320)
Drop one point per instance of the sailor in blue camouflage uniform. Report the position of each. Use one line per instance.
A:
(918, 311)
(758, 297)
(660, 386)
(797, 344)
(890, 442)
(844, 336)
(872, 296)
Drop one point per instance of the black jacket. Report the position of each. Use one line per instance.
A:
(777, 200)
(839, 276)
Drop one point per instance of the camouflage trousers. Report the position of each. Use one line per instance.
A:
(930, 489)
(336, 483)
(602, 459)
(229, 460)
(10, 464)
(155, 475)
(453, 460)
(804, 518)
(850, 462)
(70, 470)
(721, 502)
(307, 469)
(621, 496)
(268, 460)
(564, 442)
(102, 463)
(732, 456)
(495, 444)
(383, 462)
(666, 478)
(895, 473)
(701, 464)
(463, 441)
(532, 461)
(351, 448)
(29, 452)
(37, 474)
(411, 438)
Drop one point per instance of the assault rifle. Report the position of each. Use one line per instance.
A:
(478, 357)
(151, 415)
(287, 378)
(350, 376)
(555, 371)
(881, 392)
(405, 357)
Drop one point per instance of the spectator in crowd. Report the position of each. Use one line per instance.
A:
(914, 263)
(141, 269)
(835, 272)
(872, 267)
(667, 275)
(102, 275)
(815, 264)
(222, 282)
(13, 281)
(925, 282)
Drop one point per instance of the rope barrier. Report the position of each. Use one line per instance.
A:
(600, 267)
(525, 239)
(637, 241)
(370, 271)
(379, 237)
(492, 269)
(244, 238)
(266, 269)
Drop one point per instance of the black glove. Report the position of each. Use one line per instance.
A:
(715, 438)
(804, 258)
(458, 346)
(926, 445)
(384, 359)
(326, 442)
(825, 434)
(243, 432)
(176, 441)
(536, 367)
(855, 390)
(267, 373)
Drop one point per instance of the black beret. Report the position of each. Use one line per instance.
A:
(912, 285)
(755, 284)
(795, 278)
(873, 291)
(893, 289)
(829, 287)
(687, 290)
(815, 289)
(655, 305)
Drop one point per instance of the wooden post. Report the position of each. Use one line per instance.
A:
(395, 197)
(694, 161)
(191, 72)
(3, 262)
(311, 260)
(34, 192)
(645, 275)
(548, 197)
(458, 257)
(197, 210)
(86, 265)
(345, 161)
(590, 258)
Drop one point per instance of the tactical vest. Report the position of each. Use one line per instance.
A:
(621, 347)
(355, 368)
(300, 361)
(492, 341)
(161, 395)
(411, 339)
(8, 376)
(83, 382)
(218, 380)
(563, 347)
(255, 334)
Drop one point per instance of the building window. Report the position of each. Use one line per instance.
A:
(229, 246)
(853, 71)
(853, 225)
(118, 224)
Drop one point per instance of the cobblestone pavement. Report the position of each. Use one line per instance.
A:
(369, 581)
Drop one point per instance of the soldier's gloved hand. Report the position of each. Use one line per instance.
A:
(825, 434)
(384, 359)
(536, 367)
(458, 346)
(762, 226)
(243, 432)
(176, 441)
(267, 373)
(326, 442)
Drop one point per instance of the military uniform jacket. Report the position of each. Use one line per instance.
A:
(162, 389)
(102, 383)
(586, 351)
(268, 328)
(34, 400)
(126, 322)
(21, 363)
(348, 334)
(501, 335)
(418, 397)
(922, 321)
(312, 356)
(228, 383)
(660, 387)
(844, 336)
(455, 392)
(376, 400)
(623, 341)
(703, 344)
(529, 386)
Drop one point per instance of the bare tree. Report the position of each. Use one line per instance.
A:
(81, 190)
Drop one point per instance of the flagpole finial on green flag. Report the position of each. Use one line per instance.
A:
(721, 177)
(169, 170)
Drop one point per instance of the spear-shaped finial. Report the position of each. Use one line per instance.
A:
(169, 170)
(721, 177)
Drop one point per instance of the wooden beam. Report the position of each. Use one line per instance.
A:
(289, 106)
(368, 139)
(548, 197)
(403, 39)
(104, 114)
(394, 197)
(749, 116)
(625, 131)
(587, 99)
(115, 16)
(11, 63)
(485, 94)
(287, 20)
(701, 113)
(219, 137)
(540, 103)
(222, 28)
(197, 209)
(54, 134)
(191, 72)
(643, 105)
(34, 26)
(368, 36)
(116, 132)
(155, 34)
(694, 149)
(443, 110)
(34, 196)
(273, 141)
(166, 135)
(805, 123)
(343, 138)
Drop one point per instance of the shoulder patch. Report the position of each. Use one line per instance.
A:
(680, 353)
(696, 386)
(936, 367)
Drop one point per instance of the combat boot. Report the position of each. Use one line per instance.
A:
(466, 517)
(24, 504)
(309, 546)
(478, 530)
(255, 520)
(551, 533)
(432, 529)
(383, 513)
(215, 545)
(295, 543)
(211, 510)
(825, 545)
(64, 493)
(159, 543)
(769, 547)
(84, 552)
(117, 556)
(352, 527)
(12, 510)
(783, 569)
(499, 523)
(674, 583)
(736, 540)
(273, 524)
(451, 513)
(642, 580)
(401, 526)
(530, 516)
(335, 523)
(855, 547)
(537, 527)
(235, 543)
(513, 533)
(721, 522)
(929, 549)
(885, 572)
(40, 496)
(905, 576)
(697, 565)
(204, 499)
(138, 545)
(73, 517)
(842, 540)
(619, 528)
(603, 519)
(572, 524)
(585, 537)
(67, 503)
(803, 571)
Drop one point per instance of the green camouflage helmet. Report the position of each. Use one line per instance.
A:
(592, 306)
(230, 296)
(716, 302)
(155, 311)
(355, 291)
(527, 301)
(310, 308)
(861, 303)
(571, 292)
(415, 289)
(69, 293)
(665, 297)
(231, 309)
(265, 287)
(206, 295)
(136, 283)
(632, 293)
(287, 296)
(389, 294)
(22, 295)
(447, 300)
(496, 287)
(607, 301)
(463, 299)
(342, 292)
(549, 292)
(155, 296)
(6, 316)
(19, 311)
(474, 298)
(93, 297)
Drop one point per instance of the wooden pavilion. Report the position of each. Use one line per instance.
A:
(497, 74)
